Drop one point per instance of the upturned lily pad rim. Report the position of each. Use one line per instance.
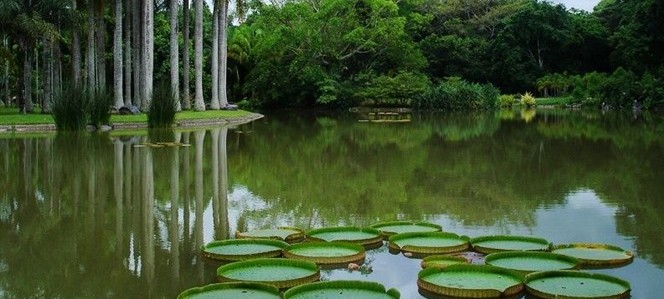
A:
(471, 293)
(342, 284)
(567, 273)
(387, 234)
(429, 249)
(574, 262)
(296, 236)
(281, 284)
(278, 244)
(338, 229)
(430, 261)
(231, 285)
(359, 254)
(589, 262)
(475, 243)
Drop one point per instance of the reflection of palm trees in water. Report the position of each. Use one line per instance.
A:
(199, 137)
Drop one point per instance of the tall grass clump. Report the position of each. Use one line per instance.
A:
(456, 94)
(70, 108)
(161, 113)
(99, 107)
(528, 100)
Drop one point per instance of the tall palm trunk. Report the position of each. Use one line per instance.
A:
(127, 53)
(223, 53)
(137, 52)
(90, 64)
(47, 55)
(117, 56)
(147, 53)
(175, 70)
(27, 106)
(5, 43)
(186, 97)
(199, 104)
(75, 52)
(101, 45)
(214, 101)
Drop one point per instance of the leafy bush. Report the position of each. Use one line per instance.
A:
(161, 113)
(392, 90)
(528, 100)
(99, 107)
(620, 89)
(456, 94)
(69, 108)
(506, 100)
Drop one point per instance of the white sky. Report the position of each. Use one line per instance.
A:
(579, 4)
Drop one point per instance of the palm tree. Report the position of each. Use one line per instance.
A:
(75, 50)
(199, 104)
(127, 53)
(214, 101)
(175, 71)
(185, 57)
(117, 56)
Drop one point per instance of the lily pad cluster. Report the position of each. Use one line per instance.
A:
(285, 263)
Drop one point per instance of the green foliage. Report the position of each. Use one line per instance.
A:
(528, 100)
(99, 107)
(456, 94)
(506, 100)
(392, 90)
(70, 108)
(161, 113)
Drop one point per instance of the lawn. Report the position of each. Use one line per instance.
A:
(557, 101)
(11, 116)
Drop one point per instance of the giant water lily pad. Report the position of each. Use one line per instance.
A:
(288, 234)
(429, 243)
(399, 227)
(236, 290)
(362, 236)
(531, 261)
(442, 261)
(574, 284)
(326, 252)
(282, 273)
(242, 249)
(596, 255)
(492, 244)
(342, 289)
(470, 281)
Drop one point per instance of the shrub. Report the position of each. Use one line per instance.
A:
(69, 108)
(456, 94)
(99, 107)
(506, 100)
(528, 100)
(161, 113)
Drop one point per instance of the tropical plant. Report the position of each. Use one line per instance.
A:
(99, 107)
(70, 108)
(528, 100)
(161, 113)
(506, 100)
(456, 94)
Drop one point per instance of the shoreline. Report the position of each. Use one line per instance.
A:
(127, 126)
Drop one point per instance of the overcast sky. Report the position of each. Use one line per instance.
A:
(580, 4)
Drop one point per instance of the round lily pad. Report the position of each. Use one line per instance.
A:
(288, 234)
(575, 284)
(242, 249)
(237, 290)
(342, 289)
(399, 227)
(596, 255)
(326, 252)
(442, 261)
(429, 243)
(531, 261)
(362, 236)
(470, 281)
(492, 244)
(282, 273)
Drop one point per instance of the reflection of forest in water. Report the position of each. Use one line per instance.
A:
(100, 217)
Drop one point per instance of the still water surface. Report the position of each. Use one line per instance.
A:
(98, 217)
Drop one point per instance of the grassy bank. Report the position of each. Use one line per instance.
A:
(11, 116)
(557, 101)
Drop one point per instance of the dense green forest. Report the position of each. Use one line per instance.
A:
(429, 54)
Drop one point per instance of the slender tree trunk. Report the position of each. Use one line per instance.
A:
(175, 70)
(137, 50)
(57, 72)
(147, 53)
(186, 97)
(90, 64)
(75, 52)
(223, 54)
(47, 55)
(117, 56)
(150, 47)
(127, 53)
(101, 46)
(199, 104)
(7, 97)
(214, 101)
(27, 82)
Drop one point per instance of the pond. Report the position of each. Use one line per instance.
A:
(113, 216)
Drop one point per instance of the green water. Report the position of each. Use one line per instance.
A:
(95, 217)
